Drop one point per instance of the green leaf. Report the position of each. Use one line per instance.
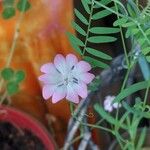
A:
(104, 2)
(78, 28)
(134, 31)
(146, 50)
(148, 58)
(132, 89)
(144, 66)
(141, 139)
(75, 39)
(128, 33)
(74, 44)
(101, 39)
(141, 41)
(102, 14)
(19, 76)
(130, 10)
(8, 12)
(127, 107)
(128, 24)
(12, 88)
(23, 5)
(104, 30)
(104, 114)
(93, 86)
(121, 6)
(86, 6)
(95, 63)
(8, 3)
(88, 1)
(7, 73)
(120, 22)
(81, 17)
(147, 32)
(98, 53)
(125, 115)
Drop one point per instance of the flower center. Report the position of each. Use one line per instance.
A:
(70, 79)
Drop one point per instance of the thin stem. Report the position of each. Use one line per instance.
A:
(89, 25)
(122, 38)
(125, 79)
(118, 139)
(94, 126)
(75, 140)
(146, 95)
(71, 108)
(3, 97)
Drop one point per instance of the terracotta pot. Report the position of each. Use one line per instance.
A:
(22, 120)
(146, 145)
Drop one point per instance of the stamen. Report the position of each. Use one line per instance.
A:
(58, 70)
(60, 85)
(75, 80)
(72, 67)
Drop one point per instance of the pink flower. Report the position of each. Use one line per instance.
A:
(66, 78)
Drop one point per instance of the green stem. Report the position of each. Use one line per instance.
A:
(71, 108)
(89, 25)
(118, 139)
(125, 79)
(94, 126)
(122, 38)
(146, 95)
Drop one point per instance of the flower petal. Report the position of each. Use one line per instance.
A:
(48, 91)
(59, 94)
(71, 60)
(81, 89)
(60, 63)
(86, 77)
(81, 67)
(72, 95)
(49, 79)
(49, 68)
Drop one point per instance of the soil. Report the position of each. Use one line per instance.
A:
(14, 138)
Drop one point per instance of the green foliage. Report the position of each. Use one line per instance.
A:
(12, 87)
(7, 73)
(132, 89)
(141, 139)
(95, 63)
(10, 6)
(12, 79)
(101, 39)
(146, 10)
(19, 76)
(101, 14)
(8, 12)
(104, 30)
(97, 53)
(94, 84)
(135, 22)
(92, 34)
(8, 3)
(137, 25)
(99, 109)
(23, 5)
